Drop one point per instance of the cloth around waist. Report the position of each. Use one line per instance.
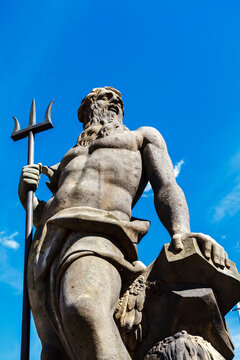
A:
(86, 219)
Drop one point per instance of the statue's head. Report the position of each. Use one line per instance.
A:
(102, 104)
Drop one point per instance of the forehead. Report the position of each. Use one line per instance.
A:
(109, 94)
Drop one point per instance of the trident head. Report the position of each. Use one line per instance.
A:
(18, 134)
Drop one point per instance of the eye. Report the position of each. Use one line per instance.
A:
(102, 97)
(120, 102)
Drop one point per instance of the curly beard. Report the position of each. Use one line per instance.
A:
(100, 124)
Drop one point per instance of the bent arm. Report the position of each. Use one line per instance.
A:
(29, 180)
(170, 202)
(169, 199)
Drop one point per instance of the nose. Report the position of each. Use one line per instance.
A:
(114, 100)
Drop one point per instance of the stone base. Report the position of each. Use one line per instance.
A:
(176, 293)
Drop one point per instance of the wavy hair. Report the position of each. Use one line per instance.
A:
(89, 99)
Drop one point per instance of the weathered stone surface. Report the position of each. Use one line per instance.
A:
(185, 307)
(84, 257)
(177, 299)
(182, 294)
(190, 266)
(183, 346)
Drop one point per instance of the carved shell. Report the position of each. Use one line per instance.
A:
(129, 313)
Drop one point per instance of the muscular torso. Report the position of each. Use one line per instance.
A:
(105, 175)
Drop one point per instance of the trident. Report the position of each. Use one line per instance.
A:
(18, 134)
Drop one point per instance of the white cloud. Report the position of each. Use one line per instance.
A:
(237, 247)
(12, 353)
(148, 187)
(9, 274)
(236, 341)
(8, 240)
(235, 161)
(148, 190)
(229, 205)
(177, 168)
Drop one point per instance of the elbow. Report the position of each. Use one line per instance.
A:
(167, 191)
(167, 186)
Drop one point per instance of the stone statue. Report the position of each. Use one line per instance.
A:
(90, 296)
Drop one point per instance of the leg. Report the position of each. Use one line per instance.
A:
(49, 352)
(89, 292)
(52, 347)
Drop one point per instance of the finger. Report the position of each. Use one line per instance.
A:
(216, 255)
(33, 166)
(206, 249)
(227, 262)
(30, 176)
(31, 182)
(30, 173)
(31, 170)
(177, 244)
(47, 171)
(40, 167)
(222, 258)
(28, 168)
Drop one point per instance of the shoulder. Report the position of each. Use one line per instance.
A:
(148, 135)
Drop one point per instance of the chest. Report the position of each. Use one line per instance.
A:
(123, 140)
(117, 141)
(114, 155)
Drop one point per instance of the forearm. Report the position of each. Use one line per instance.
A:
(38, 206)
(172, 209)
(23, 199)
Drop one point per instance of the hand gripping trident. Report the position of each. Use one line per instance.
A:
(18, 134)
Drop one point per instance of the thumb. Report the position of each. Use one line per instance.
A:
(46, 170)
(40, 166)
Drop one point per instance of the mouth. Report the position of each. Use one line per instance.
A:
(113, 108)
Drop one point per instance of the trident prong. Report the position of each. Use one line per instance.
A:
(16, 125)
(18, 134)
(47, 118)
(32, 116)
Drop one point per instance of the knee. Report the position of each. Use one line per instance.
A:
(84, 306)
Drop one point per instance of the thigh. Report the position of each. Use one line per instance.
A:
(89, 292)
(91, 280)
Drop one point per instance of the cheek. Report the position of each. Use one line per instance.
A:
(120, 117)
(101, 105)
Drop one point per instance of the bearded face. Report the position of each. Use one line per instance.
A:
(107, 106)
(101, 115)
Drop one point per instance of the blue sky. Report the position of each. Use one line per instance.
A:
(177, 66)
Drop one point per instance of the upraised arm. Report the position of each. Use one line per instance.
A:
(169, 199)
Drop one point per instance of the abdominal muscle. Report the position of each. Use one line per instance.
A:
(107, 179)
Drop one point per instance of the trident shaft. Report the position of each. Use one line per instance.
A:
(18, 134)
